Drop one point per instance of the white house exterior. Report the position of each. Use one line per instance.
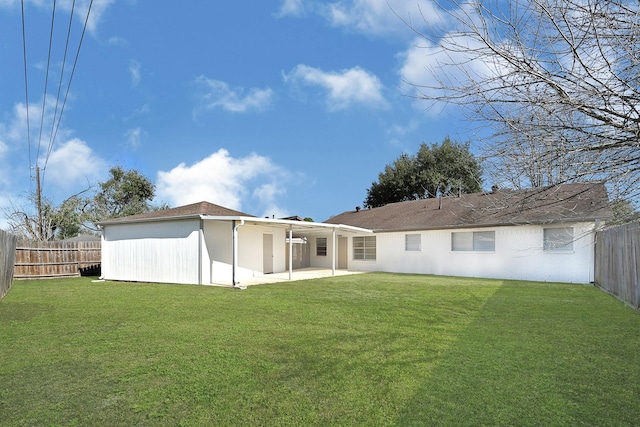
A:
(542, 235)
(204, 243)
(518, 254)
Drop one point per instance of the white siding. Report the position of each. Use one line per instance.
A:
(165, 251)
(518, 255)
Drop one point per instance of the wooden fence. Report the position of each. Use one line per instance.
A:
(7, 259)
(56, 259)
(617, 262)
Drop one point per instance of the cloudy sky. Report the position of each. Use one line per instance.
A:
(268, 107)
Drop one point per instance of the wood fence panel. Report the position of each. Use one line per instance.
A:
(7, 259)
(55, 259)
(617, 262)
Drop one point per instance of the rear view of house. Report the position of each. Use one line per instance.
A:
(544, 234)
(204, 243)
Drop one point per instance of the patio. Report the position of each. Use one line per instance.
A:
(299, 274)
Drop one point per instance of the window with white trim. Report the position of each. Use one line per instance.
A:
(321, 246)
(476, 241)
(412, 242)
(558, 239)
(364, 248)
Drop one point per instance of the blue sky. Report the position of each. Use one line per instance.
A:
(268, 107)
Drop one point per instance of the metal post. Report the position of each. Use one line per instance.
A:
(290, 252)
(333, 258)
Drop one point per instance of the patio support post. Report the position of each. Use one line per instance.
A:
(333, 258)
(290, 252)
(234, 244)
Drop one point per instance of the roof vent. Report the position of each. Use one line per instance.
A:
(357, 208)
(494, 188)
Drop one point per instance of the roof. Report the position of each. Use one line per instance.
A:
(580, 202)
(209, 211)
(193, 210)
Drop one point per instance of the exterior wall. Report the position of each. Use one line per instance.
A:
(218, 257)
(518, 255)
(165, 252)
(321, 261)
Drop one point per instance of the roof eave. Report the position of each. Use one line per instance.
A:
(288, 222)
(137, 220)
(490, 225)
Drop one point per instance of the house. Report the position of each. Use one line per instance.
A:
(544, 234)
(203, 243)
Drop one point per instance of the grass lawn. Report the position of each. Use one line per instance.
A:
(371, 350)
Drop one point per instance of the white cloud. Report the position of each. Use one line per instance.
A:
(218, 94)
(398, 133)
(345, 88)
(4, 172)
(69, 165)
(373, 17)
(117, 41)
(73, 164)
(98, 9)
(134, 71)
(428, 70)
(81, 7)
(224, 180)
(134, 137)
(291, 8)
(268, 194)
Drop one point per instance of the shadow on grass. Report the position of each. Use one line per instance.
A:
(540, 354)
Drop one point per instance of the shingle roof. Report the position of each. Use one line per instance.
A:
(192, 210)
(554, 204)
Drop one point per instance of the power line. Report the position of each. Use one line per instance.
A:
(64, 61)
(26, 88)
(73, 70)
(46, 79)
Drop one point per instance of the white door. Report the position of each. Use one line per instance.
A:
(267, 253)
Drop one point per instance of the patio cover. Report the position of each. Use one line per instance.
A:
(291, 226)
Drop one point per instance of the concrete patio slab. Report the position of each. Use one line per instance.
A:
(300, 274)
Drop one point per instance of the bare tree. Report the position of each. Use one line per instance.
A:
(27, 224)
(558, 81)
(50, 222)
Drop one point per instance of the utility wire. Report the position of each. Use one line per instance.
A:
(64, 62)
(46, 79)
(26, 88)
(73, 69)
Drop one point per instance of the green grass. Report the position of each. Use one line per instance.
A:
(370, 350)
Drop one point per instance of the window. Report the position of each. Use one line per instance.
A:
(479, 241)
(321, 246)
(558, 239)
(364, 248)
(412, 242)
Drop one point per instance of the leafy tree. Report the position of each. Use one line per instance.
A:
(448, 168)
(558, 82)
(127, 192)
(70, 216)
